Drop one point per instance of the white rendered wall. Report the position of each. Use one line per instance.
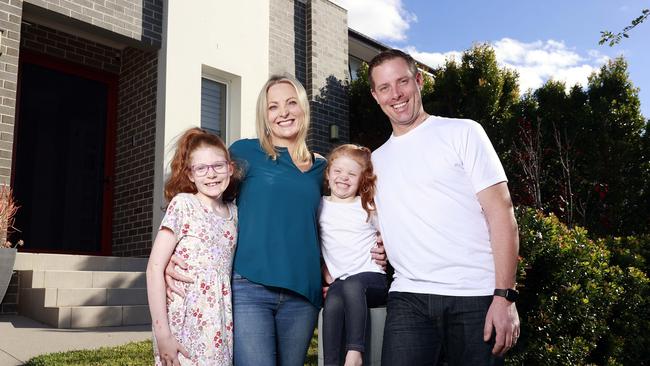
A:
(224, 40)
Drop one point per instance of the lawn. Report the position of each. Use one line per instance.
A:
(131, 354)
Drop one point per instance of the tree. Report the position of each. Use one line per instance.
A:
(613, 39)
(526, 159)
(476, 88)
(369, 126)
(614, 140)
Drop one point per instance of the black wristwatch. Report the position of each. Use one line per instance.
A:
(510, 294)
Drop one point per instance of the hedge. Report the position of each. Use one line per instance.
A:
(582, 301)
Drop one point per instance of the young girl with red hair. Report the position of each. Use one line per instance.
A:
(200, 226)
(348, 231)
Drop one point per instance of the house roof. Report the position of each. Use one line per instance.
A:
(365, 48)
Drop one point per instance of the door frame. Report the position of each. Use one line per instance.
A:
(111, 81)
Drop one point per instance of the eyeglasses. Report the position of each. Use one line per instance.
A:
(201, 170)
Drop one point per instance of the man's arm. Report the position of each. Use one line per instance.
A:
(504, 238)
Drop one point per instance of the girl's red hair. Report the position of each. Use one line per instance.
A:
(367, 180)
(179, 181)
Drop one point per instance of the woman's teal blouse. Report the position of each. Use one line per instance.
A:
(278, 242)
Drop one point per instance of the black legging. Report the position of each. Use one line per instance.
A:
(346, 307)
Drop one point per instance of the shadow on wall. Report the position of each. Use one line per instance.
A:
(152, 15)
(300, 41)
(329, 108)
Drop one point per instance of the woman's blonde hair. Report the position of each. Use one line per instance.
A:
(301, 152)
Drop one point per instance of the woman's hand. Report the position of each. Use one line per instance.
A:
(169, 348)
(171, 276)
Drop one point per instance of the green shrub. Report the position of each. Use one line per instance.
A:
(569, 292)
(628, 339)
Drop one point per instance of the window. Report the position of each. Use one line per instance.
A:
(213, 106)
(354, 65)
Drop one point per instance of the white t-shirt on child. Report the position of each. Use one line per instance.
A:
(346, 238)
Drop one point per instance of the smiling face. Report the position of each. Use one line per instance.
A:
(284, 115)
(397, 91)
(343, 178)
(210, 172)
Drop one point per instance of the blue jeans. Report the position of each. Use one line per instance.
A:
(346, 307)
(423, 329)
(273, 326)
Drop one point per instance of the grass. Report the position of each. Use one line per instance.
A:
(312, 352)
(130, 354)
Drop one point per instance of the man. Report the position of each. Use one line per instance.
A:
(449, 229)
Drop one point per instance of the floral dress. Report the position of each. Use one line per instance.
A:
(202, 321)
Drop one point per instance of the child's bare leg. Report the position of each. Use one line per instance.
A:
(353, 358)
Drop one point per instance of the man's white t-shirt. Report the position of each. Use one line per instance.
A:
(346, 238)
(433, 227)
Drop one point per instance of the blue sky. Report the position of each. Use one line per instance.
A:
(540, 39)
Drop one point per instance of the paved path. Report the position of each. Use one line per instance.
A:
(22, 338)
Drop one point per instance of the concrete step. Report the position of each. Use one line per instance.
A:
(58, 297)
(89, 316)
(76, 291)
(69, 262)
(82, 279)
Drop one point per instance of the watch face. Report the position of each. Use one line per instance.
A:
(511, 295)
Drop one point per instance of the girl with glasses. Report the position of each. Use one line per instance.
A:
(200, 226)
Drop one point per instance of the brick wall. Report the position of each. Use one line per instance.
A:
(310, 40)
(43, 40)
(137, 19)
(133, 188)
(39, 39)
(327, 72)
(287, 38)
(140, 20)
(10, 19)
(134, 161)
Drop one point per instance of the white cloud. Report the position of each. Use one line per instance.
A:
(536, 62)
(384, 20)
(433, 59)
(540, 61)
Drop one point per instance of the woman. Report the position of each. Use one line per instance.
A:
(276, 279)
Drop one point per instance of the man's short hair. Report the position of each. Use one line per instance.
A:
(387, 55)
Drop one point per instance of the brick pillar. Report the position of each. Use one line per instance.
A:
(287, 38)
(10, 19)
(135, 154)
(327, 73)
